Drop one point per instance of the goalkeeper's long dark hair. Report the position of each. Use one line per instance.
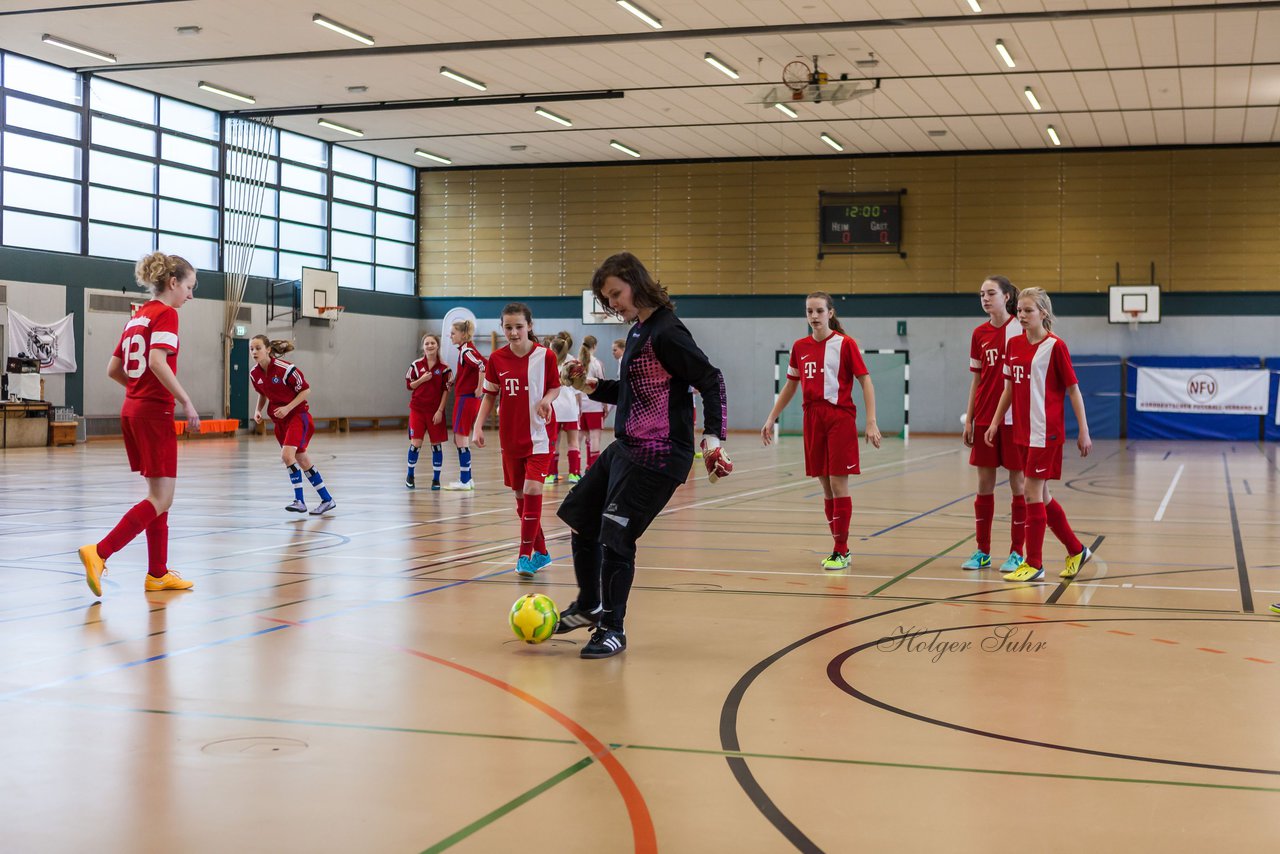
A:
(646, 291)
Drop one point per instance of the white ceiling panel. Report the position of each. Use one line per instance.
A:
(942, 74)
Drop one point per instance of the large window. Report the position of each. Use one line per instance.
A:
(93, 166)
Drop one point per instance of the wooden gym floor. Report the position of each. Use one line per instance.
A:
(349, 683)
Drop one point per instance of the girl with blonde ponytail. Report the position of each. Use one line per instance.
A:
(567, 412)
(593, 412)
(145, 362)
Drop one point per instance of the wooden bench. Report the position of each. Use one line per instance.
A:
(355, 423)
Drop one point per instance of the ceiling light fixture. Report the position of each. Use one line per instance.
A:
(1004, 53)
(325, 123)
(341, 29)
(973, 4)
(830, 140)
(78, 48)
(226, 93)
(436, 157)
(188, 30)
(714, 62)
(547, 114)
(1053, 135)
(640, 13)
(787, 110)
(1031, 98)
(462, 78)
(623, 148)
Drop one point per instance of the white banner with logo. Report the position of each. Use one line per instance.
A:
(1214, 391)
(52, 344)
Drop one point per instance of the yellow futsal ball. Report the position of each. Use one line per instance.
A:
(534, 617)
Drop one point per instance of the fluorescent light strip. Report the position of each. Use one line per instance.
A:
(325, 123)
(973, 4)
(1053, 135)
(831, 142)
(78, 48)
(641, 14)
(436, 157)
(716, 63)
(341, 29)
(787, 110)
(226, 93)
(1031, 98)
(462, 78)
(547, 114)
(623, 148)
(1004, 53)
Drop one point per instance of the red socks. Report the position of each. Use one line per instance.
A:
(130, 525)
(530, 509)
(1036, 523)
(592, 456)
(1057, 521)
(575, 462)
(841, 513)
(1017, 523)
(158, 545)
(984, 510)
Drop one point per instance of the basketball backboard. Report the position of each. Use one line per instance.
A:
(319, 289)
(593, 313)
(1134, 304)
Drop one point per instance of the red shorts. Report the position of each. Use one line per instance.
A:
(592, 421)
(517, 470)
(830, 440)
(1004, 454)
(152, 445)
(421, 424)
(568, 425)
(465, 410)
(1042, 463)
(296, 430)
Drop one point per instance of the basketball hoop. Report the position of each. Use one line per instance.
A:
(1133, 317)
(331, 313)
(797, 76)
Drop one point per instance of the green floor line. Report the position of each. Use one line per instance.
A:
(490, 818)
(304, 722)
(956, 769)
(921, 565)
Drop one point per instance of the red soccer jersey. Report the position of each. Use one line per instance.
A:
(280, 383)
(986, 359)
(154, 326)
(826, 369)
(1041, 374)
(468, 373)
(427, 396)
(519, 382)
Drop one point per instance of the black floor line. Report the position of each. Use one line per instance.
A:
(1246, 592)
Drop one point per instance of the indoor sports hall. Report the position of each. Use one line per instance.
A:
(347, 182)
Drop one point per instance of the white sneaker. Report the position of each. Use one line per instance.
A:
(323, 507)
(459, 486)
(297, 507)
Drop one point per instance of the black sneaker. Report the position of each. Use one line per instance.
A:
(604, 643)
(574, 617)
(408, 482)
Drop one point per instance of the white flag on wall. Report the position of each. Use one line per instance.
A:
(52, 344)
(1220, 391)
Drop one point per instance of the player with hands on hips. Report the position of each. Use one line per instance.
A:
(283, 391)
(467, 378)
(145, 362)
(427, 378)
(636, 475)
(824, 365)
(522, 380)
(1038, 378)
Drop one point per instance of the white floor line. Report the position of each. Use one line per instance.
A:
(1169, 494)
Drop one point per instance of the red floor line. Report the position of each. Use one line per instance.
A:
(1259, 660)
(1162, 640)
(646, 840)
(1207, 649)
(1118, 632)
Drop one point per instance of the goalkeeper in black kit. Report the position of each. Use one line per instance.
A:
(635, 477)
